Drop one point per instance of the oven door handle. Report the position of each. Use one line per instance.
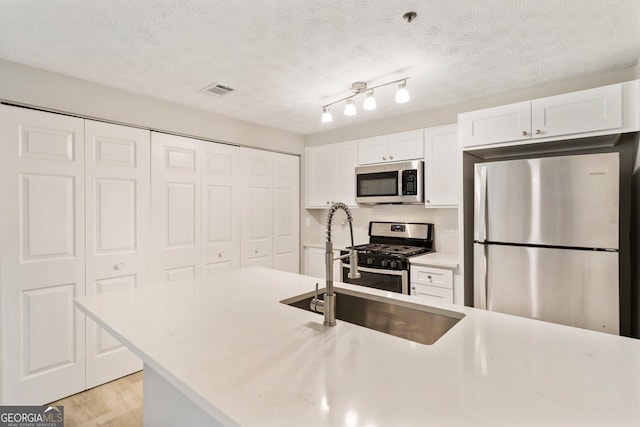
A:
(376, 270)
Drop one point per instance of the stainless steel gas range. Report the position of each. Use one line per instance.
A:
(384, 261)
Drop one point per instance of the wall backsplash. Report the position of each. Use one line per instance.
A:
(445, 221)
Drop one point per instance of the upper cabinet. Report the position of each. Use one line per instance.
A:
(441, 166)
(588, 112)
(330, 174)
(391, 148)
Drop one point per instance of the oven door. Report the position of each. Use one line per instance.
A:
(386, 280)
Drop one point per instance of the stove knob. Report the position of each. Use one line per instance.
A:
(393, 264)
(383, 263)
(370, 260)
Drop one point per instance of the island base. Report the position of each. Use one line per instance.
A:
(166, 406)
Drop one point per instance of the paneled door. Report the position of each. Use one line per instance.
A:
(43, 255)
(257, 211)
(175, 207)
(220, 178)
(117, 225)
(286, 213)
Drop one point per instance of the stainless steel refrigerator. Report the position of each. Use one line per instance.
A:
(546, 239)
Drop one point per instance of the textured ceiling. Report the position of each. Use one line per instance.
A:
(287, 58)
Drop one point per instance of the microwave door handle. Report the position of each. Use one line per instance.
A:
(481, 219)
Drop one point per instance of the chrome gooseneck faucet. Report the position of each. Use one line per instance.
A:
(328, 305)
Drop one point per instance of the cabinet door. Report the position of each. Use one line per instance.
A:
(221, 207)
(498, 124)
(117, 242)
(175, 203)
(577, 112)
(321, 176)
(406, 145)
(314, 264)
(373, 150)
(441, 164)
(432, 293)
(42, 241)
(257, 209)
(346, 160)
(286, 212)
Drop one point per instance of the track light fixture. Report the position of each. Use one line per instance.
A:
(402, 96)
(326, 115)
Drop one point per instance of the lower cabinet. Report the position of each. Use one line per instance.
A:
(314, 263)
(429, 283)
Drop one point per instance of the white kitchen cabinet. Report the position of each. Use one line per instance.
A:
(314, 263)
(441, 166)
(510, 122)
(117, 185)
(583, 112)
(395, 147)
(270, 210)
(330, 174)
(431, 283)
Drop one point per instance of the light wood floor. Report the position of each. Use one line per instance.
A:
(114, 404)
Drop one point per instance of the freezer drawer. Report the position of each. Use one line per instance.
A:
(555, 201)
(571, 287)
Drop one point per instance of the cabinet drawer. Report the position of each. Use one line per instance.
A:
(432, 293)
(441, 278)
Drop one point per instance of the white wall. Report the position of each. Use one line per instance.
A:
(445, 220)
(34, 87)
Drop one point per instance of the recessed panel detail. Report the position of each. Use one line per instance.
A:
(181, 158)
(220, 220)
(260, 224)
(48, 342)
(282, 202)
(218, 267)
(114, 152)
(115, 220)
(180, 211)
(105, 343)
(47, 217)
(51, 144)
(219, 165)
(180, 274)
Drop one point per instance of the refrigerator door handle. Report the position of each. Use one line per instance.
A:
(480, 276)
(481, 219)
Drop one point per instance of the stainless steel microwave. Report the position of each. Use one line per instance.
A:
(401, 182)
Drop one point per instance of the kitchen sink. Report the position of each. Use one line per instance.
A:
(414, 322)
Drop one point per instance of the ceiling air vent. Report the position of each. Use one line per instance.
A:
(217, 89)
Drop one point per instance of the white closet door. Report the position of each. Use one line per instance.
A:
(117, 192)
(220, 207)
(175, 208)
(42, 264)
(286, 213)
(257, 214)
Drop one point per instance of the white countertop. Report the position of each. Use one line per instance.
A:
(436, 259)
(245, 358)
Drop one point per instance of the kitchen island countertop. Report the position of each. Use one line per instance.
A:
(244, 358)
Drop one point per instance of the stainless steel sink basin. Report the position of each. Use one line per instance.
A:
(415, 322)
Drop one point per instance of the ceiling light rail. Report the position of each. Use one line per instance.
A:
(402, 96)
